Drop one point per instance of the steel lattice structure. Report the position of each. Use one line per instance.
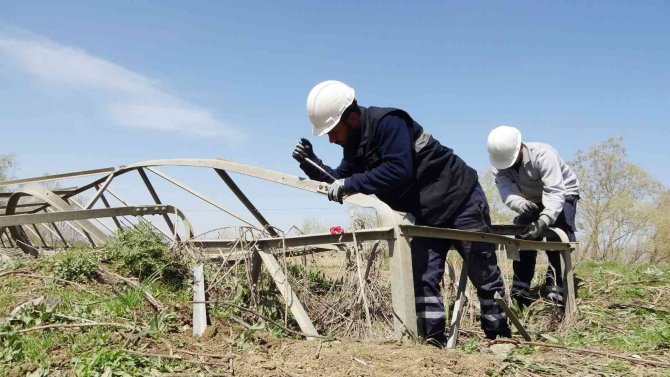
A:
(32, 205)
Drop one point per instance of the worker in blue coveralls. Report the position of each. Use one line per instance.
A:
(534, 181)
(388, 154)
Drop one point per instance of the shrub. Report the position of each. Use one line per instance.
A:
(76, 265)
(141, 252)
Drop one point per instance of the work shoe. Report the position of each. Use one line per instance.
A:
(556, 296)
(438, 342)
(500, 333)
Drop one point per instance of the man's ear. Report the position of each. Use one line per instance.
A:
(354, 119)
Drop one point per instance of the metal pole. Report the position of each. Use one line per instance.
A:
(39, 235)
(158, 201)
(256, 258)
(106, 203)
(117, 197)
(100, 191)
(200, 196)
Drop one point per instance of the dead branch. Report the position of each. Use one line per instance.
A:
(264, 318)
(371, 259)
(361, 283)
(12, 272)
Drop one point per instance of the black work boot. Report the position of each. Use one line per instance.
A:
(437, 340)
(504, 332)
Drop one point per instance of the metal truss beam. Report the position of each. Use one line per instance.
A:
(54, 177)
(305, 240)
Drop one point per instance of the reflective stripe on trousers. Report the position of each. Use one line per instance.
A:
(428, 258)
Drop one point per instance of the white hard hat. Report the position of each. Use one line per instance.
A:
(325, 104)
(504, 145)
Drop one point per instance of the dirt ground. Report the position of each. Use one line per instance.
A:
(226, 350)
(293, 358)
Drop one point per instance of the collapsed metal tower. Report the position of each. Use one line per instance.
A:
(32, 207)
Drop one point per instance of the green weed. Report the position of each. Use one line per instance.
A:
(162, 323)
(78, 265)
(141, 252)
(471, 346)
(13, 343)
(114, 362)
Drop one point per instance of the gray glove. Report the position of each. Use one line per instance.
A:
(534, 230)
(304, 150)
(336, 191)
(528, 207)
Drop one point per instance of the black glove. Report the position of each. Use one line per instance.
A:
(528, 207)
(534, 230)
(303, 150)
(336, 191)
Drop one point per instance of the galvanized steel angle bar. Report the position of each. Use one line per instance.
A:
(100, 191)
(53, 177)
(53, 233)
(384, 233)
(106, 204)
(201, 196)
(141, 218)
(463, 235)
(71, 215)
(154, 195)
(80, 206)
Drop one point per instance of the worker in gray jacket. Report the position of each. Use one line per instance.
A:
(535, 182)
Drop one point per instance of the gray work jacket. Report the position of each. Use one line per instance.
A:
(543, 177)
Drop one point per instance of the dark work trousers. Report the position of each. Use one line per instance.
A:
(428, 260)
(524, 268)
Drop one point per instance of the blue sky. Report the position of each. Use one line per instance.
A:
(90, 84)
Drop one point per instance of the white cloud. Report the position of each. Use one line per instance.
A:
(134, 100)
(166, 117)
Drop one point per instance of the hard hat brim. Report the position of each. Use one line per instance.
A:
(326, 130)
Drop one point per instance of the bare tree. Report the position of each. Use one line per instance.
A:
(500, 214)
(7, 163)
(615, 212)
(660, 247)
